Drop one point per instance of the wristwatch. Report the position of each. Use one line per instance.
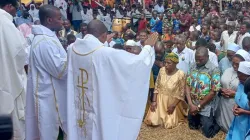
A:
(199, 107)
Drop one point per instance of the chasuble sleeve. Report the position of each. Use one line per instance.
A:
(121, 100)
(12, 60)
(52, 58)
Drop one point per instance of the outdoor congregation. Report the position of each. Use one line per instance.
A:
(97, 70)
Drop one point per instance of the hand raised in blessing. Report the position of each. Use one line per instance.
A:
(152, 39)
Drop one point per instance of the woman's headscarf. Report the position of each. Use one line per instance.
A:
(233, 47)
(244, 54)
(173, 57)
(244, 67)
(33, 13)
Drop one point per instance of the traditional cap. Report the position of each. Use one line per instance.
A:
(244, 67)
(130, 43)
(233, 47)
(173, 57)
(244, 54)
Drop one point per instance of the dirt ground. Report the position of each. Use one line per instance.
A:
(182, 132)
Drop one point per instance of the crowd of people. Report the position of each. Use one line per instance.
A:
(181, 60)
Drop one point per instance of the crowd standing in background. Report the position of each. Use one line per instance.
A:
(179, 59)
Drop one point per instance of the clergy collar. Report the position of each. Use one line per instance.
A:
(42, 30)
(9, 16)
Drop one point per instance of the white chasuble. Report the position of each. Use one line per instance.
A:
(47, 86)
(13, 77)
(107, 90)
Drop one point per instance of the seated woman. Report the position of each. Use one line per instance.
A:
(229, 82)
(241, 121)
(168, 106)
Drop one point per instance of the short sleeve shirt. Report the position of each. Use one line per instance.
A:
(201, 81)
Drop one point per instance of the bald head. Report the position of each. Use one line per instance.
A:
(96, 28)
(246, 44)
(159, 46)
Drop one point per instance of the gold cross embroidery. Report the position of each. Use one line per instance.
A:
(81, 82)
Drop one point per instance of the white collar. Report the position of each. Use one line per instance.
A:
(183, 51)
(42, 30)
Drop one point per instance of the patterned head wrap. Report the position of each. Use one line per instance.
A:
(173, 57)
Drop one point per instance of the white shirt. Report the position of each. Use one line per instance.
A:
(90, 11)
(137, 12)
(79, 35)
(198, 27)
(107, 21)
(181, 3)
(129, 13)
(218, 47)
(86, 18)
(228, 39)
(159, 9)
(186, 59)
(76, 15)
(240, 39)
(118, 14)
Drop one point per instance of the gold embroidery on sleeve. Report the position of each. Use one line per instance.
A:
(64, 68)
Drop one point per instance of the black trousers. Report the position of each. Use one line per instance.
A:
(208, 125)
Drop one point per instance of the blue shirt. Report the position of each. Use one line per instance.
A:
(21, 20)
(199, 21)
(248, 135)
(158, 27)
(240, 124)
(176, 24)
(152, 22)
(207, 37)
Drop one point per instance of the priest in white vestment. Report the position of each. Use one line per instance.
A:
(47, 79)
(13, 77)
(107, 88)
